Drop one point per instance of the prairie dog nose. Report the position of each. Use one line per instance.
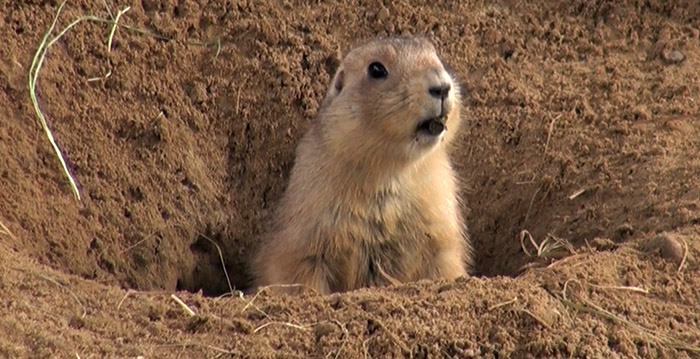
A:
(440, 91)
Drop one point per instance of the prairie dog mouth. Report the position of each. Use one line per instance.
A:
(432, 126)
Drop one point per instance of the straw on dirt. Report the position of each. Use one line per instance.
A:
(35, 67)
(40, 56)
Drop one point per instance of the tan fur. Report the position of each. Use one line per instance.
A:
(369, 201)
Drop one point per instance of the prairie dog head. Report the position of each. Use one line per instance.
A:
(392, 98)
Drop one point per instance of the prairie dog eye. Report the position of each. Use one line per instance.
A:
(377, 71)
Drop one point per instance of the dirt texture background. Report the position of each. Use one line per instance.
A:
(582, 133)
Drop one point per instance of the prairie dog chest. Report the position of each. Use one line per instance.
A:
(387, 216)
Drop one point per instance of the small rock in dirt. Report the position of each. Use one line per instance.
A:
(337, 302)
(383, 14)
(196, 323)
(150, 5)
(623, 231)
(446, 287)
(669, 247)
(421, 352)
(372, 326)
(603, 244)
(674, 56)
(322, 329)
(76, 322)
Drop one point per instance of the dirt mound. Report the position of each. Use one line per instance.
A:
(581, 128)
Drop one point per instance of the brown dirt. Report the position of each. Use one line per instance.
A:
(181, 148)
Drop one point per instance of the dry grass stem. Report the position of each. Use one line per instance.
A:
(685, 256)
(263, 289)
(536, 318)
(387, 276)
(238, 96)
(286, 324)
(496, 306)
(128, 293)
(109, 10)
(626, 288)
(364, 347)
(137, 243)
(653, 336)
(549, 132)
(114, 27)
(529, 207)
(587, 306)
(71, 292)
(566, 284)
(577, 193)
(564, 260)
(345, 340)
(221, 258)
(183, 305)
(34, 69)
(7, 231)
(550, 247)
(106, 76)
(131, 292)
(523, 235)
(221, 350)
(394, 338)
(40, 56)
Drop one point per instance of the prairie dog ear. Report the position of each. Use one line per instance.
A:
(339, 81)
(336, 87)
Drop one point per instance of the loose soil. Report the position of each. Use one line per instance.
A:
(578, 162)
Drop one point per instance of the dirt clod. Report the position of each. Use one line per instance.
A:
(323, 329)
(667, 246)
(603, 244)
(674, 56)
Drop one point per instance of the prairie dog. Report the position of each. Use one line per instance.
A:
(372, 198)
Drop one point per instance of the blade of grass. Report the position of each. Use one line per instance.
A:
(37, 61)
(40, 55)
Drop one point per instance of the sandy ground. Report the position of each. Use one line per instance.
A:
(582, 135)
